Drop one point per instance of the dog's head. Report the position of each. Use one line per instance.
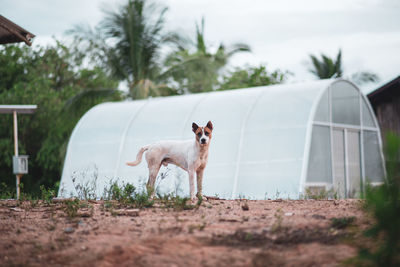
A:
(203, 134)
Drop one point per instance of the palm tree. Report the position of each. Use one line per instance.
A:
(193, 66)
(326, 68)
(129, 41)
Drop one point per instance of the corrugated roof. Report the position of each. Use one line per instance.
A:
(12, 33)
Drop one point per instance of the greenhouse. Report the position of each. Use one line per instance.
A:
(278, 141)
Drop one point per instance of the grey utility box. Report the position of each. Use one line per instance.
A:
(20, 164)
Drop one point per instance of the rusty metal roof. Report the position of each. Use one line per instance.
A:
(12, 33)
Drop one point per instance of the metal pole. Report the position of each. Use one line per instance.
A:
(15, 133)
(16, 149)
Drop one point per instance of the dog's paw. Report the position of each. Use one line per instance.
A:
(201, 196)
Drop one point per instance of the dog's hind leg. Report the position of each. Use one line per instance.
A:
(153, 172)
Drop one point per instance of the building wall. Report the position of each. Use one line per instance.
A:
(386, 104)
(388, 115)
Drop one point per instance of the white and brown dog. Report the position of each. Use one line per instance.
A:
(190, 155)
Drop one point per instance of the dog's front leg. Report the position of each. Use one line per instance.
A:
(199, 176)
(191, 184)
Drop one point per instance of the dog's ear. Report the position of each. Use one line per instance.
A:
(209, 125)
(194, 127)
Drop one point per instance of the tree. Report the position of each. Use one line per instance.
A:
(251, 77)
(49, 77)
(326, 68)
(193, 67)
(128, 41)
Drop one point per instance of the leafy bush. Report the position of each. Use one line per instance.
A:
(47, 194)
(50, 77)
(383, 203)
(6, 192)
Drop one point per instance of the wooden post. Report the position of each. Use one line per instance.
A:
(16, 149)
(18, 181)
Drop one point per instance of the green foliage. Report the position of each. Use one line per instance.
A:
(383, 203)
(327, 67)
(277, 225)
(71, 207)
(47, 194)
(251, 77)
(320, 193)
(128, 43)
(6, 192)
(178, 203)
(127, 195)
(48, 77)
(193, 67)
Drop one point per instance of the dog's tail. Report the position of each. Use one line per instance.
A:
(138, 157)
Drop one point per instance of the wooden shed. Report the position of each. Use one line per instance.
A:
(386, 104)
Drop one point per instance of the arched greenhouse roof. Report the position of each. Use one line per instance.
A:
(267, 141)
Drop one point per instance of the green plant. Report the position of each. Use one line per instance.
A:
(71, 207)
(87, 184)
(6, 192)
(47, 194)
(319, 194)
(178, 203)
(127, 195)
(277, 226)
(383, 203)
(342, 222)
(48, 76)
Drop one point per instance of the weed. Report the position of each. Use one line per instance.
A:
(127, 195)
(47, 194)
(199, 227)
(178, 203)
(71, 207)
(320, 193)
(86, 188)
(342, 222)
(277, 194)
(277, 226)
(248, 237)
(34, 202)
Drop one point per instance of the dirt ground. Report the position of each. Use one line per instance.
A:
(218, 233)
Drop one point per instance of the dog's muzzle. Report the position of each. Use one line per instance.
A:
(203, 141)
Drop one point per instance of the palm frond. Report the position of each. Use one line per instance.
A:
(364, 77)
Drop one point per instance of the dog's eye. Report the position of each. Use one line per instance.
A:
(199, 134)
(207, 133)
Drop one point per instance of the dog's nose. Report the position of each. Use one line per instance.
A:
(203, 140)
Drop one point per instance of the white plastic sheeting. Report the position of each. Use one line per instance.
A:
(262, 141)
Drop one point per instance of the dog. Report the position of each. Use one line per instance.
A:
(190, 155)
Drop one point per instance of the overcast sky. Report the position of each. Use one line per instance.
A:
(281, 33)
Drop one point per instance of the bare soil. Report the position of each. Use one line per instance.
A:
(218, 233)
